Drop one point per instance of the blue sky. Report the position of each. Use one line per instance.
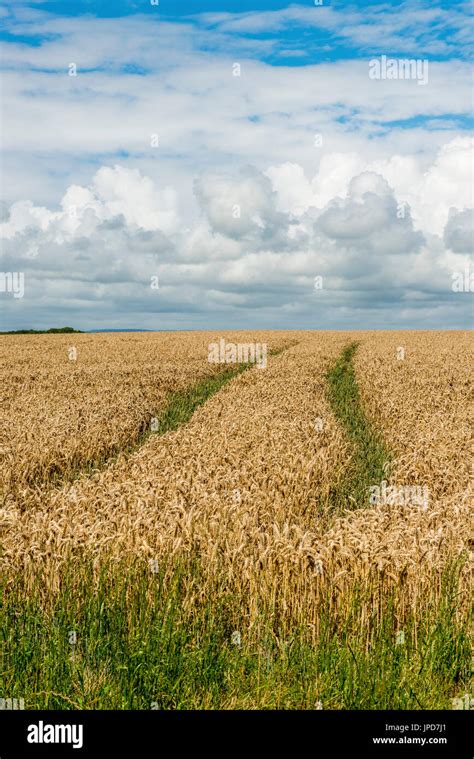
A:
(433, 28)
(236, 151)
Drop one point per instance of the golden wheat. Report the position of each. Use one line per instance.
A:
(244, 484)
(70, 400)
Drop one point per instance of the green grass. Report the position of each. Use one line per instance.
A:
(370, 456)
(142, 642)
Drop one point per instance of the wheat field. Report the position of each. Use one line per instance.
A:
(68, 402)
(235, 559)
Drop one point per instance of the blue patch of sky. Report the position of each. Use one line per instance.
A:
(295, 45)
(115, 8)
(460, 120)
(133, 68)
(433, 122)
(31, 40)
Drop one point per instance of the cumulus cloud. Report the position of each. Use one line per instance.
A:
(254, 242)
(447, 184)
(127, 192)
(238, 206)
(366, 209)
(370, 220)
(114, 192)
(429, 191)
(295, 193)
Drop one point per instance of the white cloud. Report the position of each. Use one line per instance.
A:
(237, 207)
(429, 191)
(113, 192)
(448, 183)
(368, 219)
(126, 230)
(223, 238)
(294, 190)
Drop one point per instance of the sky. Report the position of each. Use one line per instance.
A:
(249, 164)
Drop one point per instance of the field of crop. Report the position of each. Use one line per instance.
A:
(235, 556)
(71, 401)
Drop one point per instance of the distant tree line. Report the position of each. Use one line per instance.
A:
(52, 331)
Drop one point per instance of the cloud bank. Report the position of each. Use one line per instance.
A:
(155, 163)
